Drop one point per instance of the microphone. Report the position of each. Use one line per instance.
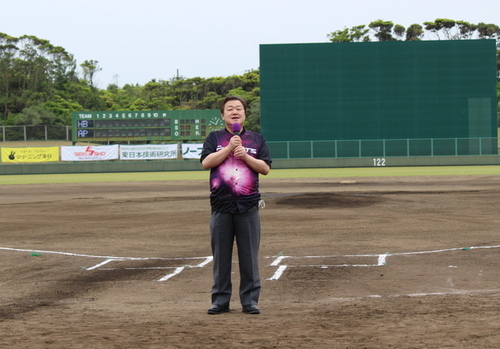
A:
(236, 128)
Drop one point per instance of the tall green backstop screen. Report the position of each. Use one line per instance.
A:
(399, 91)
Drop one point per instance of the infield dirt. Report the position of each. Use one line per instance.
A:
(395, 262)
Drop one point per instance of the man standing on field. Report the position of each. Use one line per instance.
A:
(235, 157)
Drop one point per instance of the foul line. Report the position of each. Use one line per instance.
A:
(101, 257)
(109, 259)
(421, 294)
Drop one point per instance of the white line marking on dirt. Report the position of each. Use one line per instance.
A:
(205, 262)
(451, 293)
(176, 271)
(147, 268)
(337, 256)
(100, 264)
(422, 294)
(325, 266)
(278, 261)
(103, 257)
(278, 273)
(381, 259)
(446, 250)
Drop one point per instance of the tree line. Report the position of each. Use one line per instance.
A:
(41, 84)
(439, 29)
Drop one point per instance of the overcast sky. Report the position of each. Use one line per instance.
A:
(137, 41)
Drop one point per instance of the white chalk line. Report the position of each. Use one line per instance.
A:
(177, 270)
(109, 259)
(143, 268)
(278, 260)
(420, 294)
(381, 260)
(278, 273)
(282, 268)
(100, 257)
(101, 264)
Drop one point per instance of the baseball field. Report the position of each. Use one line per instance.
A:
(349, 258)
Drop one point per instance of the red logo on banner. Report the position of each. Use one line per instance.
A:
(89, 152)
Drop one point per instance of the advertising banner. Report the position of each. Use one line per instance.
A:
(89, 153)
(30, 154)
(148, 152)
(191, 150)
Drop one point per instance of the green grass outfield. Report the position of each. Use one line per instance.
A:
(279, 173)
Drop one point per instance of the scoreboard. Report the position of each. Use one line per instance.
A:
(150, 125)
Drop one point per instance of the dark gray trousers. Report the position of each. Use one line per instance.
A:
(224, 228)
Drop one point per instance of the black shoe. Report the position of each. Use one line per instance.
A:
(251, 309)
(218, 309)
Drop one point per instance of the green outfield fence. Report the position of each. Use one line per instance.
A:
(383, 148)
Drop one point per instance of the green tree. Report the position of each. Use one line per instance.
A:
(210, 101)
(37, 115)
(252, 121)
(399, 31)
(90, 68)
(465, 29)
(441, 25)
(32, 70)
(383, 30)
(491, 31)
(414, 32)
(8, 51)
(36, 75)
(139, 104)
(357, 33)
(156, 95)
(61, 108)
